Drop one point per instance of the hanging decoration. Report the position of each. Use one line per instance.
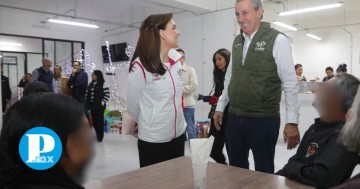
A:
(86, 64)
(115, 99)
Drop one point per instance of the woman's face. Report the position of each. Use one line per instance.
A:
(94, 77)
(170, 35)
(220, 62)
(299, 71)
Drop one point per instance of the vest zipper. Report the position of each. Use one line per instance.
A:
(172, 79)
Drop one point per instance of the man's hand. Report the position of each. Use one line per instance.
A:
(291, 135)
(218, 116)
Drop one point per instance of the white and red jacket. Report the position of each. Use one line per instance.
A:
(154, 101)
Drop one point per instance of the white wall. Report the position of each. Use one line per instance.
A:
(334, 49)
(21, 23)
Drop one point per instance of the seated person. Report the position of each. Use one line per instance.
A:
(350, 137)
(329, 74)
(46, 110)
(321, 160)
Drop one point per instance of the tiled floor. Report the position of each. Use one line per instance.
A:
(118, 154)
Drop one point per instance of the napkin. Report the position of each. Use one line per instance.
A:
(200, 153)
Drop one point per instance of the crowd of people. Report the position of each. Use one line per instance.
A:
(245, 109)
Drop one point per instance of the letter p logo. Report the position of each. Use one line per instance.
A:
(40, 148)
(34, 145)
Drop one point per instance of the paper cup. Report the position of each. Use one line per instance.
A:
(200, 175)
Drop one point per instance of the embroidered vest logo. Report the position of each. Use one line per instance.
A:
(260, 46)
(158, 77)
(237, 45)
(311, 149)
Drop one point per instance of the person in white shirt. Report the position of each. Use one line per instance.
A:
(190, 86)
(261, 64)
(155, 90)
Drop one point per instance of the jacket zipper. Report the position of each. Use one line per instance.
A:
(172, 79)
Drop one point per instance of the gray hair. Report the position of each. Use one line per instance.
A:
(350, 133)
(44, 59)
(256, 3)
(348, 85)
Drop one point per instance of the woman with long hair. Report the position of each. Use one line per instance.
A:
(154, 98)
(221, 59)
(96, 97)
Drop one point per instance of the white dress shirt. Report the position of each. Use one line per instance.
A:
(282, 54)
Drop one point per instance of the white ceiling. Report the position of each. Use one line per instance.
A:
(122, 12)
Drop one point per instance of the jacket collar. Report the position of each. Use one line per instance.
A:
(174, 56)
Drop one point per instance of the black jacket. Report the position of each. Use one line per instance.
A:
(54, 178)
(219, 87)
(96, 96)
(321, 160)
(353, 183)
(78, 85)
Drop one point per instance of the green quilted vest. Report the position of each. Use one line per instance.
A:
(255, 87)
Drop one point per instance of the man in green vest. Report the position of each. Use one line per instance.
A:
(261, 63)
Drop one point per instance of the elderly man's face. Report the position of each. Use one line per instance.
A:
(328, 100)
(47, 64)
(248, 18)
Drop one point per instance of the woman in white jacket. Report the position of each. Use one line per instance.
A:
(155, 89)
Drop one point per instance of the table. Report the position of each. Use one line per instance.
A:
(177, 174)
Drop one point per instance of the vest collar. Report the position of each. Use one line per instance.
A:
(174, 56)
(262, 26)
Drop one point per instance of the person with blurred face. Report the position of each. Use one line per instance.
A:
(63, 115)
(60, 82)
(329, 73)
(299, 72)
(190, 86)
(321, 160)
(261, 64)
(155, 97)
(78, 82)
(44, 74)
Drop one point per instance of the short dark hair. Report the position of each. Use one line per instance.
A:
(76, 61)
(28, 74)
(329, 68)
(297, 66)
(180, 50)
(40, 109)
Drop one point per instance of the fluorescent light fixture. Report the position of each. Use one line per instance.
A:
(10, 44)
(0, 56)
(313, 36)
(285, 25)
(311, 9)
(72, 23)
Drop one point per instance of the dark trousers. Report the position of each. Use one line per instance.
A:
(219, 141)
(97, 116)
(152, 153)
(258, 134)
